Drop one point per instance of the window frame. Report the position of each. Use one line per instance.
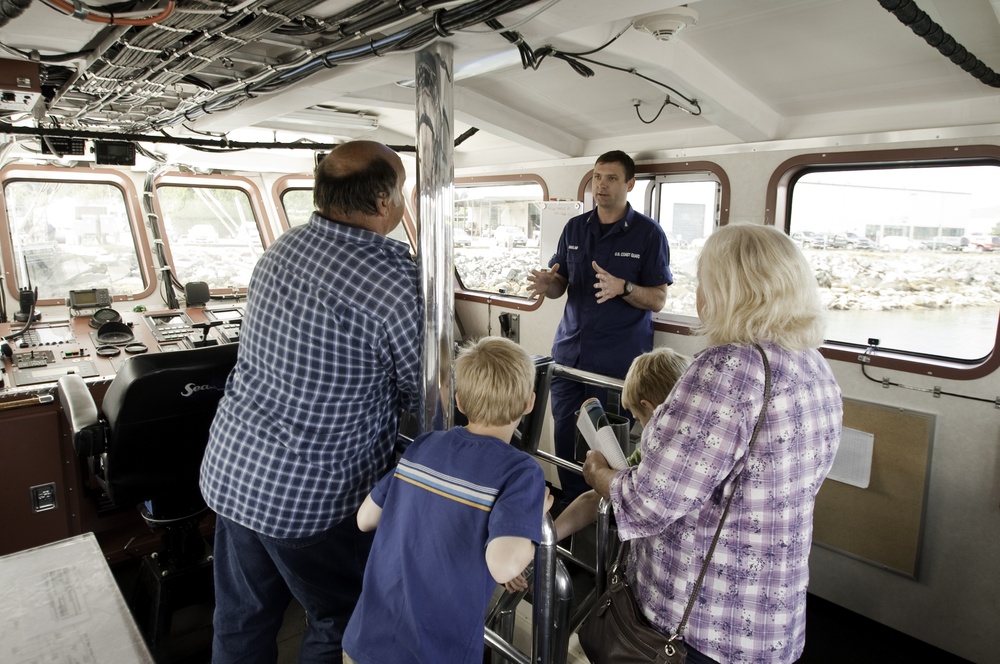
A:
(77, 175)
(485, 297)
(778, 213)
(284, 184)
(247, 186)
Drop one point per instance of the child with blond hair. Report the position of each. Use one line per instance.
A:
(648, 382)
(461, 513)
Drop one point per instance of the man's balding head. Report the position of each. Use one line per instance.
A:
(354, 178)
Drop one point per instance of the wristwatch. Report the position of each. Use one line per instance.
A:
(628, 289)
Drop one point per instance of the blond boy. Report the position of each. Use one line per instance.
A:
(461, 513)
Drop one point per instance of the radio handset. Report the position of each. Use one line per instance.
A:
(27, 299)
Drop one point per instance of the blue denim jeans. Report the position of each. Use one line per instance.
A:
(256, 577)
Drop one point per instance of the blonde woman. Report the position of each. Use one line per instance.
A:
(754, 287)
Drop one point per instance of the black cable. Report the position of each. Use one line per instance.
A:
(6, 128)
(467, 134)
(604, 45)
(194, 80)
(35, 56)
(533, 59)
(693, 102)
(644, 121)
(936, 391)
(3, 301)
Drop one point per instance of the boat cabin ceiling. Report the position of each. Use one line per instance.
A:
(539, 80)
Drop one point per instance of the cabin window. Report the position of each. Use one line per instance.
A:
(297, 208)
(71, 236)
(687, 207)
(497, 235)
(906, 254)
(213, 233)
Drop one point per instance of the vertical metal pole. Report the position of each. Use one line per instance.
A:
(562, 594)
(435, 179)
(604, 546)
(542, 605)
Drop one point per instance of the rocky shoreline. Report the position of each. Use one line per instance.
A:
(848, 280)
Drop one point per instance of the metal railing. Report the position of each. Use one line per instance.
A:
(550, 608)
(552, 622)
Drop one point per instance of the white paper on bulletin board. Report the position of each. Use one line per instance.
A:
(853, 463)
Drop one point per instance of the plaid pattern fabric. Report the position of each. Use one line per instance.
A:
(329, 353)
(752, 606)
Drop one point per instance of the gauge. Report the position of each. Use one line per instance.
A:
(102, 316)
(115, 332)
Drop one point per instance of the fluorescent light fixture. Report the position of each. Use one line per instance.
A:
(325, 116)
(487, 65)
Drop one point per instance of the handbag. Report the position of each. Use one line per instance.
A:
(616, 632)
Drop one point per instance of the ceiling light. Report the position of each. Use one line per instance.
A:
(325, 116)
(664, 25)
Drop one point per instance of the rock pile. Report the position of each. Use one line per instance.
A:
(848, 280)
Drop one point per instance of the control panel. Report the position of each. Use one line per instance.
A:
(48, 334)
(173, 326)
(231, 319)
(98, 345)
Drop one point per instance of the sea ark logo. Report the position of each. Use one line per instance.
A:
(193, 388)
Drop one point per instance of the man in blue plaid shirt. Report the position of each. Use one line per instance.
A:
(329, 353)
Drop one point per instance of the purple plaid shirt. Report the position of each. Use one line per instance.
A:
(752, 606)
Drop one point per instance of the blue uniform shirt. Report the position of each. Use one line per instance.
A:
(605, 338)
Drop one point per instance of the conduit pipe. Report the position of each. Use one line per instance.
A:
(917, 20)
(11, 9)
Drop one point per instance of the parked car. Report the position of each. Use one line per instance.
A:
(805, 238)
(461, 238)
(509, 236)
(831, 241)
(855, 241)
(982, 242)
(900, 243)
(948, 243)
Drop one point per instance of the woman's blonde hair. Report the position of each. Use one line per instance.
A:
(754, 284)
(494, 379)
(652, 376)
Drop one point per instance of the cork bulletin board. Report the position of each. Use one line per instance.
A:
(881, 524)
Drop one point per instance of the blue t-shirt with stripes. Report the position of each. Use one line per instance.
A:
(427, 586)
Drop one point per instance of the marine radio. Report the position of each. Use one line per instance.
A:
(87, 302)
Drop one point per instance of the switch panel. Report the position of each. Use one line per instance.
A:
(20, 85)
(43, 497)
